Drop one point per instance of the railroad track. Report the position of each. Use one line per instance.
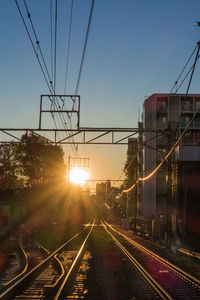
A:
(75, 287)
(12, 270)
(48, 280)
(63, 275)
(18, 264)
(143, 285)
(174, 282)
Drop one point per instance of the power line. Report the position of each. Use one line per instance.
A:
(42, 64)
(43, 69)
(175, 84)
(37, 42)
(177, 141)
(55, 58)
(187, 74)
(55, 43)
(38, 59)
(68, 46)
(83, 55)
(36, 54)
(67, 66)
(51, 36)
(85, 45)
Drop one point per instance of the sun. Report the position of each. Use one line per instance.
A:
(78, 176)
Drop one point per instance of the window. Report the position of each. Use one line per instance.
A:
(187, 119)
(187, 103)
(161, 104)
(197, 104)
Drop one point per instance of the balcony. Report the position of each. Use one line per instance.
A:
(194, 125)
(197, 124)
(197, 105)
(187, 108)
(191, 142)
(162, 109)
(161, 124)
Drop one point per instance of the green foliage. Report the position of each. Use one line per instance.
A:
(130, 171)
(40, 161)
(31, 162)
(8, 167)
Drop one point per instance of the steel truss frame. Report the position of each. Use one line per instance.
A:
(57, 105)
(81, 134)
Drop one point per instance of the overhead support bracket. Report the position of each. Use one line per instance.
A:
(60, 104)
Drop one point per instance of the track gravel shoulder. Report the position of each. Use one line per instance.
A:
(110, 276)
(187, 263)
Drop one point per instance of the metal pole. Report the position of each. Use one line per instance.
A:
(40, 117)
(68, 169)
(106, 191)
(169, 183)
(78, 113)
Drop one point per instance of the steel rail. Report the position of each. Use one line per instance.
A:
(155, 285)
(61, 275)
(67, 277)
(24, 269)
(11, 288)
(191, 279)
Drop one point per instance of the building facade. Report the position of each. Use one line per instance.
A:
(166, 193)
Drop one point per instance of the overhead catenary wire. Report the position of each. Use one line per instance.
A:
(54, 101)
(178, 139)
(191, 75)
(34, 49)
(82, 59)
(176, 82)
(55, 43)
(83, 56)
(143, 143)
(55, 63)
(41, 53)
(43, 69)
(51, 80)
(85, 46)
(68, 46)
(38, 43)
(67, 67)
(51, 36)
(183, 80)
(36, 54)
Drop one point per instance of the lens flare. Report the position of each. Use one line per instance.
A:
(78, 176)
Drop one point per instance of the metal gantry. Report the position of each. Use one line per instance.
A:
(82, 133)
(67, 107)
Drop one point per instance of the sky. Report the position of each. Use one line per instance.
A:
(135, 49)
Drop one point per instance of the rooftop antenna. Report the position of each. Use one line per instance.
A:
(139, 114)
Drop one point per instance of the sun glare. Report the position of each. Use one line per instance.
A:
(78, 176)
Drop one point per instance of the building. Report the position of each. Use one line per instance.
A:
(167, 194)
(131, 175)
(102, 190)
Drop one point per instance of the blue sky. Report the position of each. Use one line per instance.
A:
(135, 49)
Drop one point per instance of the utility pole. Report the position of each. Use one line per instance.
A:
(68, 168)
(168, 212)
(106, 191)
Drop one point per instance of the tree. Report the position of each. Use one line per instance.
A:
(130, 171)
(40, 161)
(8, 166)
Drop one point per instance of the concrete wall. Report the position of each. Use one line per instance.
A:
(149, 159)
(189, 153)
